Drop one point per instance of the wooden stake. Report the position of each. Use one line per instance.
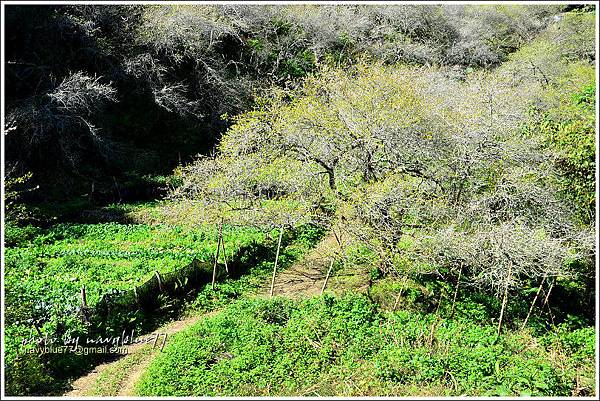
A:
(400, 293)
(504, 298)
(456, 291)
(276, 259)
(327, 276)
(224, 253)
(537, 294)
(83, 297)
(159, 280)
(546, 301)
(214, 275)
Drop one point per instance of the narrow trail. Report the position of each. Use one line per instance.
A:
(118, 378)
(306, 277)
(303, 279)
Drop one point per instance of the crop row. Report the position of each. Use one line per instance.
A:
(44, 276)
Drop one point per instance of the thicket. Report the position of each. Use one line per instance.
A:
(451, 146)
(99, 97)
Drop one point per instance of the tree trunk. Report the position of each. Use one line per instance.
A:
(331, 175)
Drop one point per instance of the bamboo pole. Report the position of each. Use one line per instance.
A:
(327, 276)
(214, 275)
(276, 259)
(546, 301)
(537, 294)
(400, 293)
(504, 298)
(338, 238)
(548, 295)
(224, 253)
(456, 291)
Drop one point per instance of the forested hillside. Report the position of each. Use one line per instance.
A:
(102, 101)
(420, 180)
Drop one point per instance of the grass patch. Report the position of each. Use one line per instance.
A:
(346, 346)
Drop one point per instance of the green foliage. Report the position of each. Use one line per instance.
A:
(14, 187)
(569, 129)
(16, 236)
(45, 271)
(27, 375)
(445, 145)
(345, 346)
(177, 68)
(301, 240)
(106, 257)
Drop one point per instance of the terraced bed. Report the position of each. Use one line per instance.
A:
(107, 257)
(45, 269)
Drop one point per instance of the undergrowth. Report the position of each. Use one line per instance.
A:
(347, 346)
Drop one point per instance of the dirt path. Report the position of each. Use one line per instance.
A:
(128, 386)
(303, 279)
(118, 378)
(306, 277)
